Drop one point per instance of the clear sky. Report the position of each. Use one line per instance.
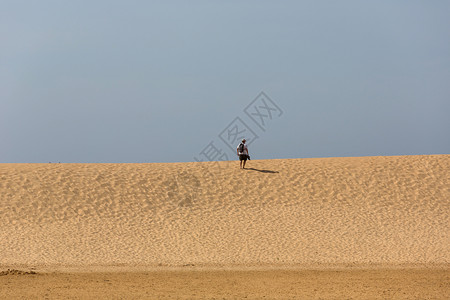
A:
(159, 81)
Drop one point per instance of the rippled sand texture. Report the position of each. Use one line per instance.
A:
(293, 212)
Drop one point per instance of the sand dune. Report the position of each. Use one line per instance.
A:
(279, 213)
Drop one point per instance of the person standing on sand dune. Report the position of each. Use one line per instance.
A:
(242, 152)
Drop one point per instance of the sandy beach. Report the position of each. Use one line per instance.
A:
(361, 216)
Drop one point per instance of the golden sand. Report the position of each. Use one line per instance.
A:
(322, 213)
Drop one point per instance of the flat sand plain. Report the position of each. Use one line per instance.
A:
(351, 215)
(240, 284)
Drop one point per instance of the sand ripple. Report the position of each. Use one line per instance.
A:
(368, 210)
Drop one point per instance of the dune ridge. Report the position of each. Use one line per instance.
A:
(286, 212)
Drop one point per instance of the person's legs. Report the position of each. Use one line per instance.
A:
(245, 160)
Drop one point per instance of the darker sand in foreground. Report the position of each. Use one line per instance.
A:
(270, 284)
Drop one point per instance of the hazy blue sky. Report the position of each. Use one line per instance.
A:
(157, 81)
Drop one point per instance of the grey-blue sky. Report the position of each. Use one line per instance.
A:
(156, 81)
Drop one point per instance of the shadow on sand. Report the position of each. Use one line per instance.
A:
(262, 171)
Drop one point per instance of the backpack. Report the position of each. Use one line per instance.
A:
(241, 148)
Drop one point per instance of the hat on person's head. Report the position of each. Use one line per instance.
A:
(243, 140)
